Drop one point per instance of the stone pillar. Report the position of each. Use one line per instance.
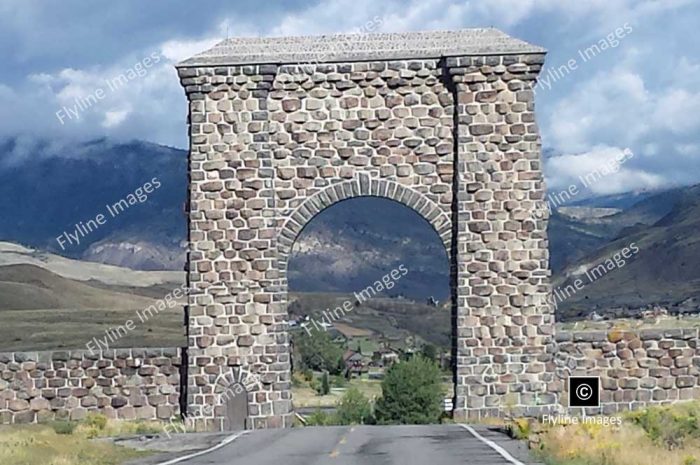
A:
(504, 323)
(236, 321)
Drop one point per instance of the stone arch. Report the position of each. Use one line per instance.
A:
(232, 390)
(269, 151)
(362, 186)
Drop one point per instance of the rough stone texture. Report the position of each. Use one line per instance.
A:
(504, 321)
(361, 47)
(637, 369)
(453, 138)
(123, 383)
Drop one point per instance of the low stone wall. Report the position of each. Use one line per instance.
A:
(637, 369)
(122, 383)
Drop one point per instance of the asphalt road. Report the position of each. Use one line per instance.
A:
(363, 445)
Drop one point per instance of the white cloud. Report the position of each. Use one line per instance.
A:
(611, 168)
(644, 94)
(114, 118)
(598, 110)
(178, 50)
(677, 110)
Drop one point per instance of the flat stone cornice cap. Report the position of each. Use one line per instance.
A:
(360, 47)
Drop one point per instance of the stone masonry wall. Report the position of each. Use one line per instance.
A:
(123, 383)
(453, 139)
(637, 369)
(505, 324)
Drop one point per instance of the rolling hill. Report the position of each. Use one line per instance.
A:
(665, 271)
(341, 250)
(29, 287)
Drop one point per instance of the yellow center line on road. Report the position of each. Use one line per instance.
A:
(343, 440)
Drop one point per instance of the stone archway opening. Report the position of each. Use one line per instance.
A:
(371, 277)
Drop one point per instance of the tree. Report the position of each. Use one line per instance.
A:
(354, 408)
(325, 385)
(318, 352)
(411, 393)
(429, 351)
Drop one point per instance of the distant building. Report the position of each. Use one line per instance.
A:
(354, 363)
(385, 357)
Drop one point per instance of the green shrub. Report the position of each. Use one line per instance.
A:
(338, 381)
(315, 384)
(354, 408)
(669, 426)
(63, 427)
(147, 428)
(430, 352)
(96, 420)
(320, 418)
(298, 381)
(308, 374)
(411, 393)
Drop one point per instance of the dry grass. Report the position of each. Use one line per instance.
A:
(61, 329)
(39, 444)
(626, 444)
(350, 331)
(307, 397)
(98, 426)
(598, 445)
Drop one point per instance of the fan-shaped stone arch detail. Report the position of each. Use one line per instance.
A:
(362, 186)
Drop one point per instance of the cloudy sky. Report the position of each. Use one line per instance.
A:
(641, 92)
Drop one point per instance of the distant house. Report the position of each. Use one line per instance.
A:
(385, 357)
(355, 363)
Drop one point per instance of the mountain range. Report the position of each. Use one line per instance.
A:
(49, 189)
(46, 189)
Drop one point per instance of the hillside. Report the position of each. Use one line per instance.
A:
(665, 271)
(578, 230)
(349, 246)
(390, 319)
(341, 250)
(47, 187)
(49, 302)
(80, 270)
(27, 287)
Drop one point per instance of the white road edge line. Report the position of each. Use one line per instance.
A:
(226, 441)
(503, 453)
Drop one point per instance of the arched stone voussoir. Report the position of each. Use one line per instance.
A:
(362, 186)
